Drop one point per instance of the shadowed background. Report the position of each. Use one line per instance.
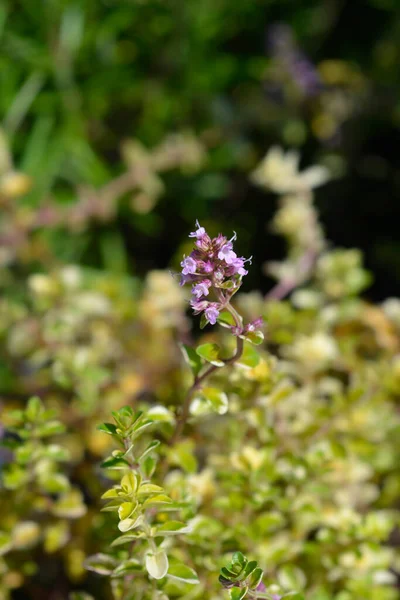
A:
(79, 79)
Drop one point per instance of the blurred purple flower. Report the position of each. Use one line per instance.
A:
(282, 46)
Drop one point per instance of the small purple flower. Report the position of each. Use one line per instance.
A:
(189, 265)
(186, 279)
(238, 265)
(207, 266)
(254, 325)
(212, 314)
(227, 254)
(198, 305)
(201, 289)
(261, 587)
(199, 233)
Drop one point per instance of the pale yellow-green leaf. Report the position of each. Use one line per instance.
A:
(157, 564)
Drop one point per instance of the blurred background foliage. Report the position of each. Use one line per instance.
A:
(81, 80)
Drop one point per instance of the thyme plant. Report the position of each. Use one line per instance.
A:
(261, 462)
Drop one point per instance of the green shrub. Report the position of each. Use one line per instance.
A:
(278, 443)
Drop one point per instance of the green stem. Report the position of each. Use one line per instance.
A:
(199, 379)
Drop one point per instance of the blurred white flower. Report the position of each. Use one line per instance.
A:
(316, 351)
(391, 308)
(279, 172)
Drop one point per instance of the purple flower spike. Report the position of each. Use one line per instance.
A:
(189, 266)
(213, 269)
(212, 314)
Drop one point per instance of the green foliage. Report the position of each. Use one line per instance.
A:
(288, 450)
(143, 507)
(37, 487)
(244, 574)
(210, 353)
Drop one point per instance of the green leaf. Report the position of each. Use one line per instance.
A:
(157, 564)
(50, 428)
(217, 399)
(131, 565)
(238, 563)
(159, 499)
(115, 462)
(126, 412)
(33, 409)
(226, 319)
(109, 428)
(126, 509)
(238, 593)
(127, 538)
(149, 465)
(124, 416)
(111, 493)
(210, 353)
(250, 357)
(227, 285)
(130, 483)
(80, 596)
(128, 524)
(172, 528)
(255, 578)
(229, 574)
(250, 567)
(149, 488)
(112, 506)
(203, 321)
(152, 446)
(102, 564)
(255, 337)
(191, 358)
(137, 432)
(181, 572)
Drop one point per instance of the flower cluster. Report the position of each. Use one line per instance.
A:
(213, 269)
